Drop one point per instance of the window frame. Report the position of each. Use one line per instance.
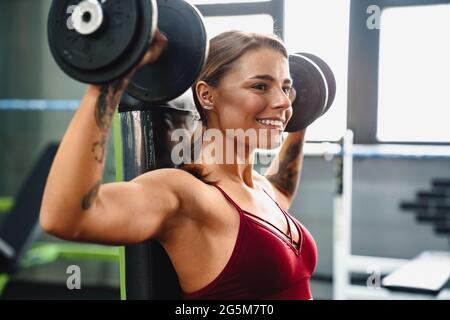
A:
(364, 53)
(273, 8)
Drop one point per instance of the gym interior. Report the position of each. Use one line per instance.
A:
(375, 182)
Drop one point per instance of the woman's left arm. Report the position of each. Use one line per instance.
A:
(285, 169)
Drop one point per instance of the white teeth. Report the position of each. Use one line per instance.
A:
(277, 123)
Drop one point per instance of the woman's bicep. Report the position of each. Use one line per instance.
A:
(129, 212)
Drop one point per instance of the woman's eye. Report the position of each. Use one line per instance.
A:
(260, 86)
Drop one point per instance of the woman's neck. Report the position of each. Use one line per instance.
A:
(229, 164)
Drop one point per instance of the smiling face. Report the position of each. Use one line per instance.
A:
(254, 95)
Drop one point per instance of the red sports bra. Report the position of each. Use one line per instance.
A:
(264, 264)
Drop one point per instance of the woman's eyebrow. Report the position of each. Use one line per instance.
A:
(268, 77)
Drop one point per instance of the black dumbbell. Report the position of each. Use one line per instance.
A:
(442, 227)
(315, 89)
(438, 205)
(96, 41)
(430, 215)
(435, 193)
(441, 183)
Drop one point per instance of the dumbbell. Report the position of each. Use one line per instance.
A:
(98, 41)
(314, 89)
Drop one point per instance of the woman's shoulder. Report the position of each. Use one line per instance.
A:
(179, 180)
(188, 188)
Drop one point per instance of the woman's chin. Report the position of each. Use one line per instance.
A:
(270, 144)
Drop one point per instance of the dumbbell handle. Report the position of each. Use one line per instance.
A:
(87, 17)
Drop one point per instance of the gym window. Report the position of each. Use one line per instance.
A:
(414, 69)
(262, 23)
(222, 1)
(327, 38)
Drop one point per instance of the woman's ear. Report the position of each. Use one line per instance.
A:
(204, 95)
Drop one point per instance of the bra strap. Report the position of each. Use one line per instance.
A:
(290, 236)
(229, 198)
(269, 223)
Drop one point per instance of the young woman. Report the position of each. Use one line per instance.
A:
(224, 226)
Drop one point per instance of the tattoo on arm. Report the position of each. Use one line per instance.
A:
(89, 198)
(286, 178)
(99, 149)
(104, 112)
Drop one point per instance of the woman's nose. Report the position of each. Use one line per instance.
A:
(281, 99)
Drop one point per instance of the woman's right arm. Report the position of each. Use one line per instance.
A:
(75, 205)
(124, 212)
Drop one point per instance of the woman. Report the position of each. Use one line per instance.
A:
(223, 225)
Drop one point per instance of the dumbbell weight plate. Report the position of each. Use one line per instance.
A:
(329, 76)
(112, 50)
(310, 85)
(181, 63)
